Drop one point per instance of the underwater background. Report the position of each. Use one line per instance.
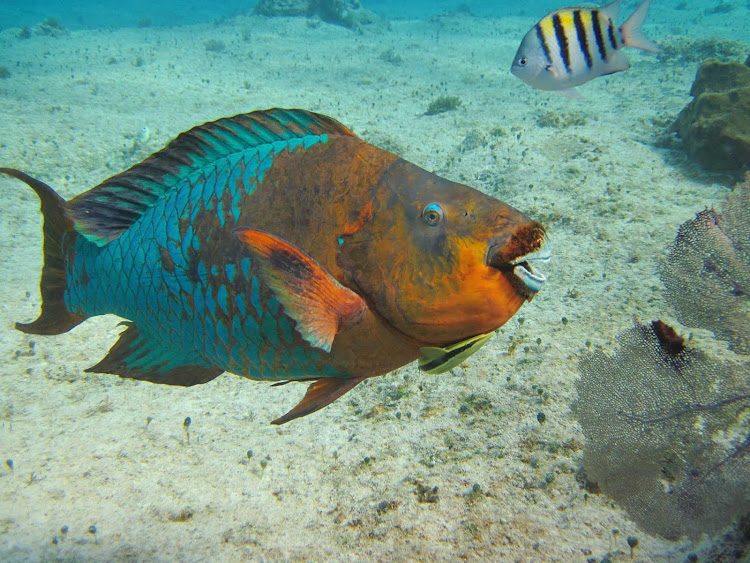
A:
(492, 460)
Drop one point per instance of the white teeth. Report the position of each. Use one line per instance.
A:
(541, 255)
(533, 281)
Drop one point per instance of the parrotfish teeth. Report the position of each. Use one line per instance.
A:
(541, 255)
(523, 271)
(530, 279)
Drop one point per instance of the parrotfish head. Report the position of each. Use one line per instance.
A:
(440, 261)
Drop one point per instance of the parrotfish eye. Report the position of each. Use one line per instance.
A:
(433, 214)
(522, 61)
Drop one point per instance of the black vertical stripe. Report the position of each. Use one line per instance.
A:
(543, 43)
(611, 33)
(598, 34)
(583, 41)
(562, 41)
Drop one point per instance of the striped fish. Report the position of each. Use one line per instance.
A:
(574, 45)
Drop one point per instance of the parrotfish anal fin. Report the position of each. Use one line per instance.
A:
(320, 394)
(319, 304)
(105, 211)
(55, 317)
(135, 357)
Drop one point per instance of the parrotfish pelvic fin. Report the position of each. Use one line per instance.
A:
(320, 394)
(104, 212)
(439, 360)
(55, 317)
(135, 357)
(319, 304)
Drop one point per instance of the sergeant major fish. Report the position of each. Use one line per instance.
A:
(574, 45)
(278, 246)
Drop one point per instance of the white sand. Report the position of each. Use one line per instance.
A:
(81, 451)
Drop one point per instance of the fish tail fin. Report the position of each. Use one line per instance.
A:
(55, 317)
(632, 35)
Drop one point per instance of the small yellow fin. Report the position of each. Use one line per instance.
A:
(440, 360)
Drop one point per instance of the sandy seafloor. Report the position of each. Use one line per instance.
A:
(340, 484)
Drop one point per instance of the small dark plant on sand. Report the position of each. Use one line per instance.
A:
(443, 104)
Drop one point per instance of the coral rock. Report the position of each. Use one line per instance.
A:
(283, 8)
(347, 13)
(715, 126)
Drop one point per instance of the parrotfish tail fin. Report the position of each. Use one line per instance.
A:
(320, 394)
(55, 317)
(136, 357)
(632, 35)
(319, 304)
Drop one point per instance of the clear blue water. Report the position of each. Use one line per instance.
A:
(77, 14)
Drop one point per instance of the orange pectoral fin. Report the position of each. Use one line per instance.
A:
(320, 394)
(319, 304)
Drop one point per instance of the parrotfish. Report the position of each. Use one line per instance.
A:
(278, 246)
(571, 46)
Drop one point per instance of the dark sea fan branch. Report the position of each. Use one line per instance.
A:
(653, 418)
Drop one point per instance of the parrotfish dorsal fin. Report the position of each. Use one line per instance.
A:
(105, 211)
(319, 304)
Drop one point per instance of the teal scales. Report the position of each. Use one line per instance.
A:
(193, 308)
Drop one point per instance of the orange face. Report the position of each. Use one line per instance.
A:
(439, 261)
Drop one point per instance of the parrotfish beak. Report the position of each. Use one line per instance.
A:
(523, 271)
(515, 261)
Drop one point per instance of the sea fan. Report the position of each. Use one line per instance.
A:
(667, 435)
(707, 273)
(668, 427)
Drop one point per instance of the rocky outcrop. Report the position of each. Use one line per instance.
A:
(347, 13)
(715, 126)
